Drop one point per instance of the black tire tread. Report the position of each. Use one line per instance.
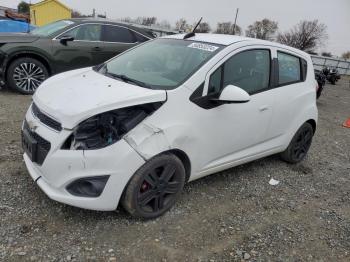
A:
(287, 155)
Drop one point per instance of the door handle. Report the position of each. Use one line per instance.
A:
(263, 108)
(96, 48)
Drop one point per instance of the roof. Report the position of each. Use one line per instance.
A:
(222, 39)
(47, 1)
(219, 39)
(144, 31)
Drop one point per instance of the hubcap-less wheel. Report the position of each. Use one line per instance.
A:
(154, 187)
(158, 188)
(302, 144)
(28, 76)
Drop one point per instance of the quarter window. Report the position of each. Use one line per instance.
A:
(288, 69)
(117, 34)
(88, 32)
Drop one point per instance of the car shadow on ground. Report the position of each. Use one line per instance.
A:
(214, 181)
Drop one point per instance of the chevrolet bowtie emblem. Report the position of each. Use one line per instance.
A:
(32, 126)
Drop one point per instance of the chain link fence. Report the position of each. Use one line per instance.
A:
(320, 62)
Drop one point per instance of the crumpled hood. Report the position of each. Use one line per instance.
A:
(74, 96)
(17, 38)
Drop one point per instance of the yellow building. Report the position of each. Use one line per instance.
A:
(48, 11)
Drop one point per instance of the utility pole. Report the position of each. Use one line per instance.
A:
(234, 25)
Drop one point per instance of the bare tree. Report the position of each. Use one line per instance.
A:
(203, 27)
(264, 29)
(77, 14)
(182, 25)
(126, 20)
(228, 29)
(141, 20)
(137, 20)
(346, 55)
(164, 24)
(149, 20)
(307, 35)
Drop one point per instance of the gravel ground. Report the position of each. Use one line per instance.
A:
(230, 216)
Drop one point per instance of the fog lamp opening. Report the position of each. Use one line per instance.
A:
(88, 186)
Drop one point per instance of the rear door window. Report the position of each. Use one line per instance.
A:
(288, 69)
(117, 34)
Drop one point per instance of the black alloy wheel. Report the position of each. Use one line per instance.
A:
(300, 144)
(155, 187)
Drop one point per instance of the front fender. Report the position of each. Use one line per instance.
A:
(148, 140)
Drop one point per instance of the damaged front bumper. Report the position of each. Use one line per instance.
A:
(62, 167)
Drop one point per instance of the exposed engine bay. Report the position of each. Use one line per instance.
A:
(107, 128)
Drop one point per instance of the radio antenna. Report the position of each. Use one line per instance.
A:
(191, 34)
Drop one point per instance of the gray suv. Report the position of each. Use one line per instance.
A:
(26, 60)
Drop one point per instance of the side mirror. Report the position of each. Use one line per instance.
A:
(66, 39)
(233, 94)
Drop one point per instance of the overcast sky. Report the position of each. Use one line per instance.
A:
(335, 14)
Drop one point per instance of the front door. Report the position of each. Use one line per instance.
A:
(235, 131)
(84, 51)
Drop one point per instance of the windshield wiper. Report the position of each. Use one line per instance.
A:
(127, 79)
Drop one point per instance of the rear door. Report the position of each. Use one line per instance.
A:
(85, 50)
(116, 39)
(291, 91)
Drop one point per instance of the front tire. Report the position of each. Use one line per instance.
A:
(155, 187)
(300, 145)
(25, 74)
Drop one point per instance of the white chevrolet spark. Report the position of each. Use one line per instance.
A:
(135, 129)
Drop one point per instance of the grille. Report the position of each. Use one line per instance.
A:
(44, 146)
(45, 119)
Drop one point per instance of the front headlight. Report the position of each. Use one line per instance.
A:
(107, 128)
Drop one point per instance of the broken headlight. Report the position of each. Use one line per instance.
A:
(107, 128)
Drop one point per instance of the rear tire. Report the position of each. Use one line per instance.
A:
(300, 145)
(155, 187)
(25, 74)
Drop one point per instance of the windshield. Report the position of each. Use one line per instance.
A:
(161, 63)
(52, 28)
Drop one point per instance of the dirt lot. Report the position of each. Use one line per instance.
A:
(230, 216)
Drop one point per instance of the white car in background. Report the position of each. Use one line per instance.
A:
(135, 129)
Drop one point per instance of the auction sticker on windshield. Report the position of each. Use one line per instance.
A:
(206, 47)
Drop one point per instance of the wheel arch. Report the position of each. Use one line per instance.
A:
(312, 122)
(33, 55)
(183, 158)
